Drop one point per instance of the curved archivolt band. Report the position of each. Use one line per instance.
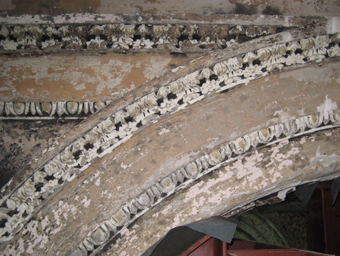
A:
(19, 206)
(181, 178)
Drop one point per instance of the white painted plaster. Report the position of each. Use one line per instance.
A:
(333, 25)
(328, 105)
(86, 202)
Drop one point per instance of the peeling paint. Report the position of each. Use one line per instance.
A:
(225, 191)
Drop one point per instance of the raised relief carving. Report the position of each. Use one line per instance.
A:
(49, 109)
(122, 37)
(119, 127)
(226, 153)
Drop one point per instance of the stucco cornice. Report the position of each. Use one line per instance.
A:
(90, 33)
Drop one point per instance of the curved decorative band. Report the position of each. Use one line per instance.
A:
(18, 207)
(179, 179)
(120, 37)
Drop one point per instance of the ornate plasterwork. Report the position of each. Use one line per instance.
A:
(18, 207)
(181, 178)
(120, 37)
(49, 109)
(112, 33)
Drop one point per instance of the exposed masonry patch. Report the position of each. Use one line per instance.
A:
(118, 37)
(179, 179)
(18, 206)
(49, 109)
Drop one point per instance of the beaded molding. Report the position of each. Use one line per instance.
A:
(181, 178)
(18, 207)
(49, 109)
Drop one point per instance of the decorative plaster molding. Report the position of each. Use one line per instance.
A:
(123, 37)
(179, 179)
(49, 109)
(121, 33)
(18, 206)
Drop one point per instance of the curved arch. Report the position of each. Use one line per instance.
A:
(108, 135)
(223, 192)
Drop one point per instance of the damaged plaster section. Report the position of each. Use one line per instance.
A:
(233, 160)
(248, 169)
(235, 186)
(36, 234)
(22, 142)
(79, 80)
(119, 127)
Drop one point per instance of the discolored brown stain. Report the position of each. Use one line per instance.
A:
(244, 9)
(269, 10)
(78, 78)
(79, 5)
(54, 7)
(268, 7)
(22, 142)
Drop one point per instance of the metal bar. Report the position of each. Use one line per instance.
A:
(270, 252)
(196, 245)
(324, 216)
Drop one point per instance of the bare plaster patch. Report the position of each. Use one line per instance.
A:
(156, 66)
(333, 25)
(310, 75)
(204, 188)
(283, 115)
(35, 238)
(60, 215)
(164, 131)
(86, 202)
(248, 165)
(80, 87)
